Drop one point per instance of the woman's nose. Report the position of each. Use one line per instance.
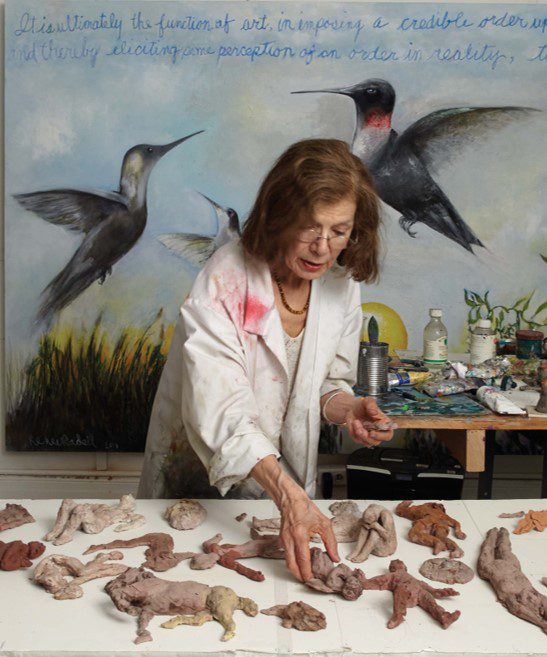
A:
(321, 245)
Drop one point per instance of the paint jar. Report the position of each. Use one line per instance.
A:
(529, 343)
(372, 367)
(482, 342)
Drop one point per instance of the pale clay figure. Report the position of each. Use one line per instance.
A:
(140, 593)
(185, 514)
(93, 518)
(501, 568)
(54, 571)
(376, 535)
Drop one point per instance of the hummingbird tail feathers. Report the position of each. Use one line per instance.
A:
(64, 288)
(197, 249)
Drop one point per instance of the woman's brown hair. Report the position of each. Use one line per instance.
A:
(309, 173)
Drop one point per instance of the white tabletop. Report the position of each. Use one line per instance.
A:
(33, 623)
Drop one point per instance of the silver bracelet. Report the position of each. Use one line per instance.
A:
(323, 412)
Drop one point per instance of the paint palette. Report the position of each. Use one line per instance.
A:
(409, 401)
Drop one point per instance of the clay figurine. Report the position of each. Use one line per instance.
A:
(140, 593)
(93, 518)
(544, 581)
(53, 572)
(501, 568)
(532, 520)
(159, 555)
(16, 555)
(447, 571)
(14, 515)
(241, 517)
(517, 514)
(376, 535)
(299, 615)
(329, 578)
(185, 514)
(430, 526)
(410, 592)
(229, 553)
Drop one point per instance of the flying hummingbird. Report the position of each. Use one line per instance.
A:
(401, 163)
(111, 222)
(197, 249)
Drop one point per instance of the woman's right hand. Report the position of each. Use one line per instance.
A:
(300, 519)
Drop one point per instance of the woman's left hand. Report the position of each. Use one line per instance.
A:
(363, 412)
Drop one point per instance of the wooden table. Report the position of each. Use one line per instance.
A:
(471, 440)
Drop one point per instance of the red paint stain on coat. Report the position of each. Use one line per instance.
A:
(254, 312)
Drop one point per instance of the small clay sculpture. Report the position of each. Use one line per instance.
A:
(532, 520)
(517, 514)
(346, 522)
(54, 571)
(229, 553)
(140, 593)
(93, 518)
(185, 514)
(299, 615)
(430, 526)
(159, 555)
(14, 515)
(410, 592)
(241, 517)
(376, 535)
(501, 568)
(329, 578)
(16, 555)
(448, 571)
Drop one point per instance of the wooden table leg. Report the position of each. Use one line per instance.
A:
(465, 445)
(484, 491)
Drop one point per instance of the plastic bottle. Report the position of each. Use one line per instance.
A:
(435, 341)
(482, 343)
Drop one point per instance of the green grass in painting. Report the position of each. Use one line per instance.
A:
(84, 391)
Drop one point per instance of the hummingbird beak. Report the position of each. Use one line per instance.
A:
(213, 203)
(162, 150)
(345, 91)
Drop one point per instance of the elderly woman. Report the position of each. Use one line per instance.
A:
(266, 346)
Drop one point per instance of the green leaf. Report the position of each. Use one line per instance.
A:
(540, 308)
(467, 297)
(544, 258)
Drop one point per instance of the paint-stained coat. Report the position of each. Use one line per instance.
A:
(223, 394)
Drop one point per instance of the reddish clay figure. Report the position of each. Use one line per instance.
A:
(299, 615)
(93, 518)
(14, 515)
(329, 578)
(410, 592)
(159, 555)
(376, 535)
(53, 572)
(501, 568)
(430, 526)
(268, 547)
(140, 593)
(532, 520)
(185, 514)
(16, 555)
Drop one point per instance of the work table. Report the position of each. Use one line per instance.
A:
(34, 624)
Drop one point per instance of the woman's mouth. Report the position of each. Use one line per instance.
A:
(311, 266)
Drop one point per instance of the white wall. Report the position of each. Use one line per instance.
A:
(42, 475)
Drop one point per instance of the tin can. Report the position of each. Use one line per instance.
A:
(529, 343)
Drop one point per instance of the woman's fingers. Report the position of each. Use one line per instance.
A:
(329, 541)
(303, 559)
(290, 557)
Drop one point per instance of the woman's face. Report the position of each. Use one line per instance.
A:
(311, 259)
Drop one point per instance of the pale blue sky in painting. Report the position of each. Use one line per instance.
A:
(68, 124)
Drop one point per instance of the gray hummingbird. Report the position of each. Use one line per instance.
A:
(401, 163)
(199, 248)
(111, 222)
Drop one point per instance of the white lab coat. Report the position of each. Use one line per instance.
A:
(223, 394)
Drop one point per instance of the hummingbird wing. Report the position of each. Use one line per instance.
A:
(197, 249)
(78, 211)
(437, 137)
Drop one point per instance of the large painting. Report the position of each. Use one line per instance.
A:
(137, 134)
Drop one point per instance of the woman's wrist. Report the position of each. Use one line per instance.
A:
(277, 483)
(336, 405)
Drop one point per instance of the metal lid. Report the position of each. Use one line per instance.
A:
(484, 323)
(528, 334)
(435, 312)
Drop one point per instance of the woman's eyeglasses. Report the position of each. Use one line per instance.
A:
(336, 240)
